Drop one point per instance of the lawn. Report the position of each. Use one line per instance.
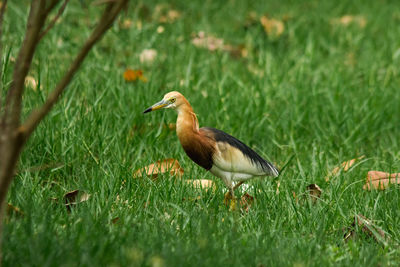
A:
(323, 91)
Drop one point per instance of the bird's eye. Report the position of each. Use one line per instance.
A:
(172, 100)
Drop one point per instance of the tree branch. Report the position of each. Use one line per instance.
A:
(108, 17)
(52, 4)
(36, 19)
(2, 11)
(54, 20)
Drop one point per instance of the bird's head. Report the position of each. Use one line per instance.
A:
(172, 100)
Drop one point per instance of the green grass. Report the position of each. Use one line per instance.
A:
(307, 101)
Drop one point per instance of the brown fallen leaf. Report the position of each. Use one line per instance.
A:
(212, 43)
(31, 82)
(367, 227)
(314, 191)
(160, 29)
(236, 51)
(146, 204)
(148, 56)
(170, 17)
(134, 75)
(202, 184)
(194, 199)
(14, 211)
(209, 42)
(347, 20)
(345, 166)
(115, 220)
(246, 201)
(75, 197)
(164, 13)
(278, 184)
(126, 24)
(162, 166)
(295, 197)
(381, 180)
(251, 20)
(272, 27)
(170, 126)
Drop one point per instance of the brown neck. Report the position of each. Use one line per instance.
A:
(187, 123)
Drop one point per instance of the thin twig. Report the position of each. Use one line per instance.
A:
(106, 21)
(2, 11)
(52, 4)
(22, 64)
(54, 20)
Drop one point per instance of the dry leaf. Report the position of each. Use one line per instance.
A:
(314, 191)
(209, 42)
(126, 24)
(195, 199)
(272, 27)
(345, 166)
(162, 166)
(367, 227)
(278, 184)
(347, 20)
(245, 202)
(202, 184)
(75, 197)
(148, 56)
(212, 43)
(115, 220)
(165, 14)
(146, 204)
(381, 180)
(295, 196)
(31, 82)
(255, 70)
(160, 29)
(133, 75)
(170, 126)
(170, 17)
(251, 19)
(14, 211)
(236, 51)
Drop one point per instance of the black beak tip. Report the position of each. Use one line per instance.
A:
(147, 110)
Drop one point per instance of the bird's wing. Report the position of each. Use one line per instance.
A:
(232, 155)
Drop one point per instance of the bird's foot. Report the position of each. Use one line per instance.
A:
(230, 201)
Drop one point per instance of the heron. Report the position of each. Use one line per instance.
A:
(225, 156)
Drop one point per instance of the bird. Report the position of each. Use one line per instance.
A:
(225, 156)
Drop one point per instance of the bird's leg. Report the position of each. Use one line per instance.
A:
(229, 196)
(232, 199)
(232, 192)
(237, 185)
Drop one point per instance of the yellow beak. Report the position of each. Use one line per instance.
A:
(156, 106)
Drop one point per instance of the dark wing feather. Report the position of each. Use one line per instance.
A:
(221, 136)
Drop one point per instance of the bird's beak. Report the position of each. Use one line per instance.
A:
(156, 106)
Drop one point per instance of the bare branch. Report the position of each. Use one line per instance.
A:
(54, 20)
(22, 64)
(2, 11)
(52, 4)
(108, 17)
